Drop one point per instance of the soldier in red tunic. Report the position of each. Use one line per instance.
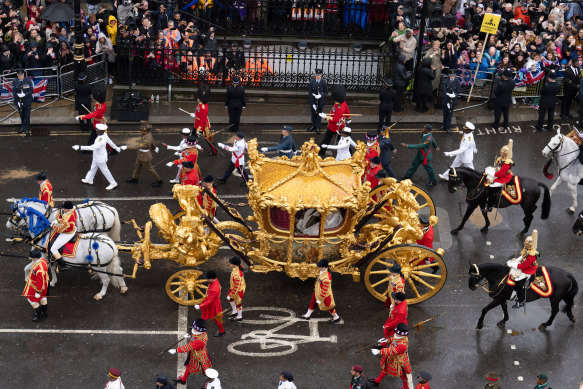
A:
(396, 285)
(211, 307)
(189, 175)
(339, 116)
(524, 267)
(395, 358)
(427, 239)
(37, 284)
(198, 359)
(398, 315)
(202, 124)
(499, 175)
(370, 175)
(423, 377)
(189, 154)
(322, 295)
(237, 289)
(46, 189)
(205, 201)
(65, 227)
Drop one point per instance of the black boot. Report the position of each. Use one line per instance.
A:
(62, 264)
(38, 314)
(44, 309)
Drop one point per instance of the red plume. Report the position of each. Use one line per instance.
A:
(548, 175)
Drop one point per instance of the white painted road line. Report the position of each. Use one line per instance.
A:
(90, 332)
(135, 198)
(182, 329)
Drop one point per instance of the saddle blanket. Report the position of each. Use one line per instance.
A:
(69, 249)
(576, 137)
(542, 284)
(513, 191)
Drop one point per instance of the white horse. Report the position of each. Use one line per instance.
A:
(95, 251)
(92, 216)
(565, 151)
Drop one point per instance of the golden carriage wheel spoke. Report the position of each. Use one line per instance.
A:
(421, 281)
(178, 289)
(427, 265)
(425, 274)
(412, 285)
(386, 279)
(380, 271)
(191, 288)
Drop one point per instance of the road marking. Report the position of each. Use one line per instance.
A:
(519, 378)
(513, 347)
(182, 329)
(91, 332)
(136, 198)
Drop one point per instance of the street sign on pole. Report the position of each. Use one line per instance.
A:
(490, 23)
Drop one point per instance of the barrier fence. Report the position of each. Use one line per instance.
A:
(265, 67)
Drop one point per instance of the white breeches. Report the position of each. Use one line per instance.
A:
(35, 305)
(496, 185)
(60, 242)
(104, 169)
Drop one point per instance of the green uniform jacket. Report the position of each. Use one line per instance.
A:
(424, 148)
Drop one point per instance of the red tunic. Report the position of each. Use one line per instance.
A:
(238, 286)
(394, 358)
(38, 281)
(427, 241)
(46, 193)
(396, 286)
(503, 175)
(207, 203)
(67, 222)
(189, 178)
(190, 154)
(529, 265)
(338, 120)
(199, 358)
(398, 315)
(211, 305)
(97, 114)
(423, 386)
(201, 120)
(370, 177)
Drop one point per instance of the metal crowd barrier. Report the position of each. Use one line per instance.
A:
(96, 72)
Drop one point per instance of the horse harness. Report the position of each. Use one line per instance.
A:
(92, 205)
(557, 148)
(492, 293)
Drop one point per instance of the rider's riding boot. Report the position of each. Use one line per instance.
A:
(62, 264)
(518, 304)
(38, 315)
(492, 197)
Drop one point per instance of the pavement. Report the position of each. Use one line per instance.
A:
(83, 338)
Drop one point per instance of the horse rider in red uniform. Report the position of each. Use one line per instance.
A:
(524, 267)
(198, 360)
(211, 307)
(46, 189)
(499, 175)
(37, 284)
(65, 227)
(395, 358)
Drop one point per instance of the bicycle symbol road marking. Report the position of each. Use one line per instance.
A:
(272, 343)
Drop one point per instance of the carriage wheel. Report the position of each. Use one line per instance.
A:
(422, 280)
(427, 207)
(186, 287)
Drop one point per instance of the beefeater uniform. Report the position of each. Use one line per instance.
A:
(66, 227)
(46, 193)
(423, 157)
(237, 287)
(189, 154)
(323, 293)
(211, 307)
(199, 359)
(202, 125)
(37, 282)
(423, 386)
(336, 123)
(146, 145)
(398, 315)
(395, 360)
(207, 203)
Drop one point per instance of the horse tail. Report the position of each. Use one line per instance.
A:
(571, 293)
(115, 267)
(115, 232)
(546, 201)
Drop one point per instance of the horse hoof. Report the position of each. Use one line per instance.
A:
(484, 229)
(542, 327)
(97, 297)
(480, 326)
(454, 231)
(570, 211)
(124, 290)
(501, 324)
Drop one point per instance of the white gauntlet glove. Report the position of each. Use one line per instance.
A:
(76, 147)
(169, 164)
(264, 149)
(156, 150)
(322, 115)
(192, 115)
(124, 147)
(172, 351)
(197, 306)
(374, 351)
(221, 145)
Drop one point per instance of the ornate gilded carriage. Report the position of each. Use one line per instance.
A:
(304, 209)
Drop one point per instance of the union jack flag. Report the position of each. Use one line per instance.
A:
(38, 93)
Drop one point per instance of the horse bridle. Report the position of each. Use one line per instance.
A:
(453, 174)
(483, 284)
(555, 150)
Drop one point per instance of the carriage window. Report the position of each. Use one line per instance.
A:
(279, 218)
(308, 221)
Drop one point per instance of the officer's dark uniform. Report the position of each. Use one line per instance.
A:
(387, 98)
(316, 87)
(449, 103)
(24, 88)
(235, 102)
(386, 146)
(570, 88)
(83, 99)
(286, 146)
(503, 99)
(547, 103)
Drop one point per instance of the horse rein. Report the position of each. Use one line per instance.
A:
(483, 284)
(555, 150)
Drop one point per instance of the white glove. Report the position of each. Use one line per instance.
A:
(172, 351)
(221, 145)
(197, 306)
(512, 264)
(186, 336)
(21, 95)
(118, 149)
(169, 164)
(381, 340)
(124, 147)
(264, 149)
(447, 154)
(37, 295)
(318, 302)
(451, 95)
(349, 121)
(317, 97)
(322, 115)
(192, 115)
(77, 117)
(314, 106)
(374, 351)
(229, 298)
(324, 146)
(76, 147)
(178, 153)
(156, 150)
(198, 147)
(54, 223)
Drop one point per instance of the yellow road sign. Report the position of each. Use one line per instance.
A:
(490, 23)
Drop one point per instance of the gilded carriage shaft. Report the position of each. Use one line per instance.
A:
(303, 210)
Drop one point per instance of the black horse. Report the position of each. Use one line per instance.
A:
(578, 226)
(478, 196)
(564, 285)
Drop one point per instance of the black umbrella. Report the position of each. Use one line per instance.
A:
(58, 12)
